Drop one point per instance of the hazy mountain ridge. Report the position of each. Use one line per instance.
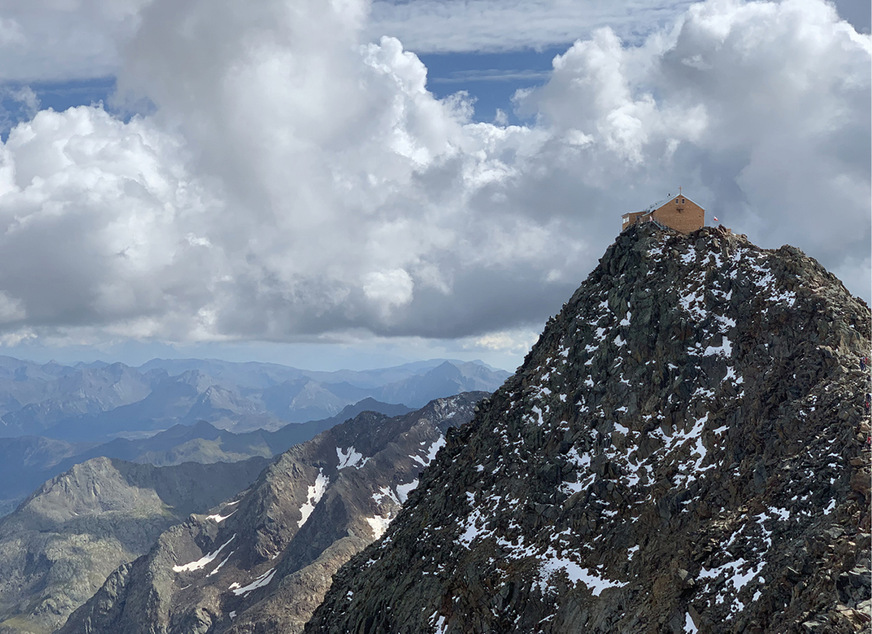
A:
(96, 402)
(58, 547)
(685, 448)
(262, 562)
(33, 398)
(88, 405)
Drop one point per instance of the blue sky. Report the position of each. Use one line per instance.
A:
(353, 184)
(20, 99)
(490, 78)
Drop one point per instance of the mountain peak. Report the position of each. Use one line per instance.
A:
(277, 544)
(682, 448)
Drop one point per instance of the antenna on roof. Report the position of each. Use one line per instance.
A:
(679, 190)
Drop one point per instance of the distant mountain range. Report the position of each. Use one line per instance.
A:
(166, 412)
(262, 561)
(27, 461)
(60, 545)
(96, 402)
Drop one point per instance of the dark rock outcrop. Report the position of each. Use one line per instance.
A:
(684, 449)
(263, 562)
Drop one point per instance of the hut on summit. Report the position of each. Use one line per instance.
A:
(676, 212)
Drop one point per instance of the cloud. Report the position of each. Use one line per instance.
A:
(16, 102)
(760, 109)
(83, 39)
(93, 212)
(11, 309)
(48, 41)
(514, 342)
(295, 181)
(442, 26)
(389, 288)
(492, 75)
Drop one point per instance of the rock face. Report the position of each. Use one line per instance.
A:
(262, 562)
(684, 449)
(61, 543)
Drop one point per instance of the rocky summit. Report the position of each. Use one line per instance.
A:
(684, 449)
(261, 563)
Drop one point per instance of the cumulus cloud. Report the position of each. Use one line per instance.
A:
(49, 41)
(760, 109)
(293, 179)
(94, 212)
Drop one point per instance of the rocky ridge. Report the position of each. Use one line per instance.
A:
(684, 449)
(62, 542)
(28, 461)
(263, 561)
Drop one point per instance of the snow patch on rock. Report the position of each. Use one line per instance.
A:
(315, 493)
